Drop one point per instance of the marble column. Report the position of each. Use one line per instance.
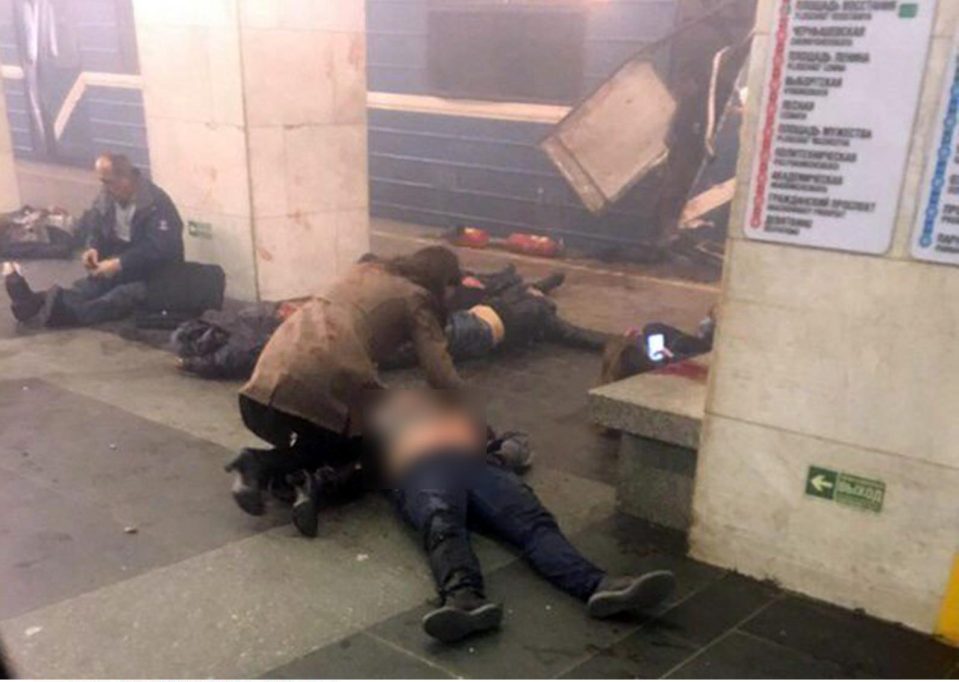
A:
(256, 118)
(9, 187)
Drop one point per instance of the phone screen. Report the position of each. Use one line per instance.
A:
(656, 347)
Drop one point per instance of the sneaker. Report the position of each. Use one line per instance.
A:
(248, 481)
(463, 614)
(615, 595)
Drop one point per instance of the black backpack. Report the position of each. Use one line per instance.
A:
(180, 292)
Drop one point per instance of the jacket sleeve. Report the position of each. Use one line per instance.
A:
(161, 242)
(91, 229)
(430, 344)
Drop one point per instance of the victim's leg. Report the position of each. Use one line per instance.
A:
(511, 510)
(501, 503)
(560, 331)
(432, 498)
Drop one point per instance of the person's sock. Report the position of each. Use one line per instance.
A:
(628, 593)
(464, 613)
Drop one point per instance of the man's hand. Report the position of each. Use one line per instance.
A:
(472, 282)
(91, 258)
(107, 268)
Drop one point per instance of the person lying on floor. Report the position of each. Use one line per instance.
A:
(133, 230)
(225, 345)
(309, 383)
(429, 446)
(521, 316)
(654, 347)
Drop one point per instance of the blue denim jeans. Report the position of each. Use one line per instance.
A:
(446, 494)
(468, 336)
(91, 301)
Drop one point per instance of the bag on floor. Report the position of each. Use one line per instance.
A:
(180, 292)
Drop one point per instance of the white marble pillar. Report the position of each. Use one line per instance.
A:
(256, 118)
(9, 186)
(847, 362)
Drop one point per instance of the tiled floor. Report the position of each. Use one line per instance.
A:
(122, 556)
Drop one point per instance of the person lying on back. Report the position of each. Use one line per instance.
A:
(430, 450)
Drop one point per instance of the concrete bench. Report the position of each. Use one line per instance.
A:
(660, 415)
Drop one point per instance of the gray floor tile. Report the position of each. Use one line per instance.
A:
(544, 632)
(742, 656)
(53, 547)
(161, 480)
(717, 608)
(358, 657)
(862, 646)
(646, 654)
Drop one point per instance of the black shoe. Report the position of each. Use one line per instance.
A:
(25, 302)
(550, 282)
(282, 491)
(306, 511)
(615, 595)
(248, 481)
(512, 451)
(465, 613)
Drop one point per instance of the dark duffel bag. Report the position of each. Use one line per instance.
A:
(180, 292)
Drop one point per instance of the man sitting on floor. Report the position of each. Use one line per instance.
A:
(430, 453)
(133, 230)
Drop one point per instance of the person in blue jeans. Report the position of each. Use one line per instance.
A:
(430, 450)
(133, 231)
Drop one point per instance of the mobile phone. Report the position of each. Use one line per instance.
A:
(656, 347)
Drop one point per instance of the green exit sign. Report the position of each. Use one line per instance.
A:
(195, 228)
(845, 489)
(908, 10)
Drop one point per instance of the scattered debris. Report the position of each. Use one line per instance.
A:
(549, 608)
(362, 557)
(31, 631)
(25, 388)
(113, 446)
(131, 530)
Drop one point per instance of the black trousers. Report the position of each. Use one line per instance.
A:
(298, 444)
(445, 495)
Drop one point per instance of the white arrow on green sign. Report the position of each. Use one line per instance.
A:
(846, 489)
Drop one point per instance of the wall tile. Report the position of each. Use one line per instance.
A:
(9, 185)
(296, 255)
(231, 246)
(751, 514)
(352, 237)
(268, 170)
(200, 165)
(843, 347)
(312, 169)
(260, 13)
(288, 86)
(220, 13)
(349, 64)
(348, 161)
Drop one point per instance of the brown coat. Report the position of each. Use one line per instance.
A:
(319, 361)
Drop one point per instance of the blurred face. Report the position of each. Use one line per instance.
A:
(121, 189)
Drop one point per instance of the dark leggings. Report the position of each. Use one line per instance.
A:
(298, 444)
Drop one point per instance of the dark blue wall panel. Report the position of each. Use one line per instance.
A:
(106, 118)
(446, 170)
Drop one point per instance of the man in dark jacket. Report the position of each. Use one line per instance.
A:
(133, 230)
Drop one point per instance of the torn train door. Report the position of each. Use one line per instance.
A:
(644, 120)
